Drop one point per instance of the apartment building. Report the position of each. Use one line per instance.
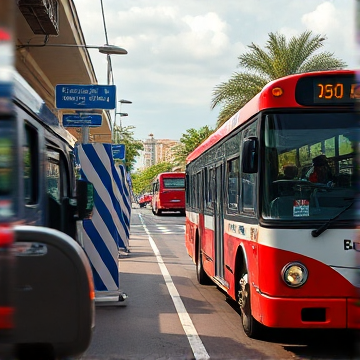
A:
(156, 151)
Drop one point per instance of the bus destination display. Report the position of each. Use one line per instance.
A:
(327, 90)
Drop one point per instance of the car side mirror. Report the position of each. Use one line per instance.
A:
(250, 155)
(85, 199)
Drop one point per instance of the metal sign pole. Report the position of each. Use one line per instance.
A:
(85, 135)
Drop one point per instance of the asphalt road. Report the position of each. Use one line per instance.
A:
(168, 315)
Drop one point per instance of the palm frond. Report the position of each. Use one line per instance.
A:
(240, 86)
(279, 58)
(322, 61)
(257, 60)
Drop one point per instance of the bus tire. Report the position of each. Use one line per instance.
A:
(158, 212)
(201, 275)
(252, 328)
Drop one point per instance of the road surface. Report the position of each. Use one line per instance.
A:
(168, 315)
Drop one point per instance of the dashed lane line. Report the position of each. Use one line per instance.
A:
(196, 344)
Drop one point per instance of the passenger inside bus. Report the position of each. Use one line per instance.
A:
(320, 172)
(290, 171)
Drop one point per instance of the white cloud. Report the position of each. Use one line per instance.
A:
(162, 31)
(323, 19)
(207, 35)
(337, 24)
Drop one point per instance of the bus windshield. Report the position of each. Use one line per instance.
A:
(309, 166)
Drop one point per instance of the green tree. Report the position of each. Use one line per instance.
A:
(125, 135)
(189, 142)
(280, 58)
(141, 181)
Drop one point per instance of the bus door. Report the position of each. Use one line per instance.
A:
(219, 221)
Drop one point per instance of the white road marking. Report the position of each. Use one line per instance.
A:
(173, 230)
(196, 344)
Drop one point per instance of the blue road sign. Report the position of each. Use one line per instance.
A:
(68, 96)
(84, 119)
(118, 151)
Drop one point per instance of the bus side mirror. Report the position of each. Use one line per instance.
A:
(250, 155)
(85, 199)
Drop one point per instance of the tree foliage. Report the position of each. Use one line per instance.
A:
(141, 181)
(279, 58)
(189, 141)
(125, 135)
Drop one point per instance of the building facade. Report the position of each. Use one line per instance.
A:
(157, 151)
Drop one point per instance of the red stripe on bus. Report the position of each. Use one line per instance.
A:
(6, 236)
(6, 317)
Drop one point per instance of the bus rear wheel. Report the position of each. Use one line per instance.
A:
(252, 328)
(201, 275)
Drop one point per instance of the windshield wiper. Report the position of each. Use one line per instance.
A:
(322, 228)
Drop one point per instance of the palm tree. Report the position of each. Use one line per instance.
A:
(190, 140)
(280, 58)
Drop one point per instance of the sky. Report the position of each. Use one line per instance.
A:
(179, 50)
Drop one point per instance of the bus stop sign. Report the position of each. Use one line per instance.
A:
(76, 97)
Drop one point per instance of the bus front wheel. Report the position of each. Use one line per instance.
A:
(252, 328)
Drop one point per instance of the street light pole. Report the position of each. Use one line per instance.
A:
(121, 115)
(122, 101)
(115, 138)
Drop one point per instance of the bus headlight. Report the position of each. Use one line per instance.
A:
(294, 274)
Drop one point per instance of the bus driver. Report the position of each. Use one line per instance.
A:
(320, 171)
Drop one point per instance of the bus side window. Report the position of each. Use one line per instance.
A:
(248, 181)
(233, 177)
(199, 188)
(207, 190)
(54, 177)
(211, 180)
(30, 161)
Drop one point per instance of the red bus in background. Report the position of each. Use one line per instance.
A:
(168, 193)
(270, 205)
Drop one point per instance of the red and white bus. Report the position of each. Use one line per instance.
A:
(168, 193)
(270, 213)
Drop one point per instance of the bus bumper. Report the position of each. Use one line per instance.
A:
(308, 313)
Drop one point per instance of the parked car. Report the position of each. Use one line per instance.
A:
(145, 199)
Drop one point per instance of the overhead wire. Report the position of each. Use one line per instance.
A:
(110, 74)
(104, 22)
(109, 69)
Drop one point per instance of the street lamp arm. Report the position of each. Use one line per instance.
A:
(105, 49)
(111, 50)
